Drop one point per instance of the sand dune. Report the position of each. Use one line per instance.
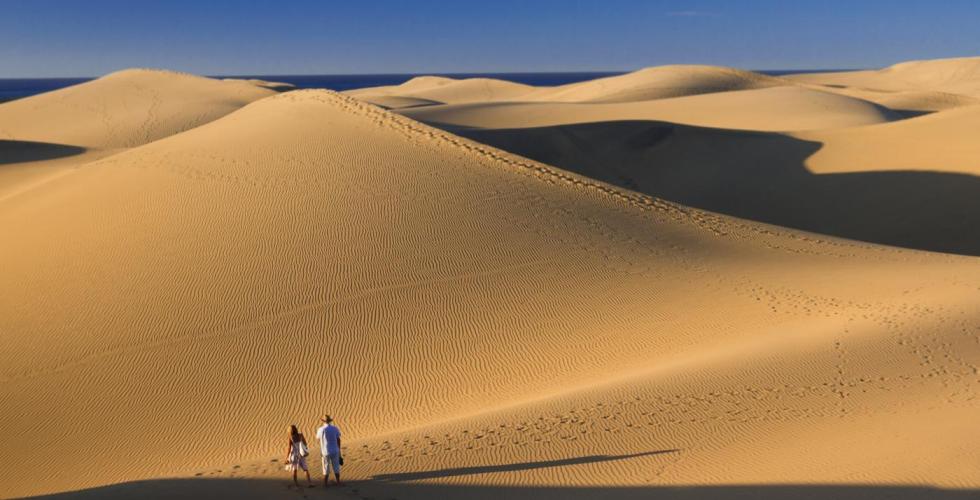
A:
(43, 135)
(418, 83)
(657, 83)
(807, 181)
(483, 325)
(914, 87)
(841, 165)
(926, 100)
(923, 101)
(957, 76)
(909, 103)
(125, 109)
(771, 109)
(646, 84)
(447, 90)
(939, 142)
(398, 101)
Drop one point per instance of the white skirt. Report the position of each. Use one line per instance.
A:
(296, 462)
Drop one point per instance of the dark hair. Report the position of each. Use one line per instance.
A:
(293, 433)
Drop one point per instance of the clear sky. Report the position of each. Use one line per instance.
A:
(88, 38)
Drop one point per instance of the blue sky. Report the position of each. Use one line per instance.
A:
(87, 38)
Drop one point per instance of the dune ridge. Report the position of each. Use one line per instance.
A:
(126, 108)
(876, 166)
(44, 136)
(929, 85)
(768, 109)
(646, 84)
(658, 82)
(447, 90)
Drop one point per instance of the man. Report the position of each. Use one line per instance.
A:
(329, 436)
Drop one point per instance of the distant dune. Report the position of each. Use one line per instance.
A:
(939, 142)
(847, 161)
(770, 109)
(955, 75)
(69, 127)
(125, 109)
(449, 91)
(481, 324)
(658, 83)
(646, 84)
(929, 85)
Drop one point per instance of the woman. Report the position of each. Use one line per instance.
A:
(296, 455)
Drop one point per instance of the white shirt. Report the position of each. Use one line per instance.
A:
(329, 436)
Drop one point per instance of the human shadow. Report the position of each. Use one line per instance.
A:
(247, 488)
(759, 176)
(484, 469)
(12, 151)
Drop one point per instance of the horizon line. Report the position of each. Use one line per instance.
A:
(433, 73)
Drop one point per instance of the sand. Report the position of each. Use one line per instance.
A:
(447, 90)
(784, 108)
(914, 86)
(821, 158)
(643, 85)
(44, 135)
(955, 76)
(482, 325)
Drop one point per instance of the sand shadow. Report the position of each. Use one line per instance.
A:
(912, 113)
(277, 86)
(759, 176)
(275, 488)
(12, 151)
(465, 471)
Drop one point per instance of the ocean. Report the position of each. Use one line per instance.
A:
(15, 88)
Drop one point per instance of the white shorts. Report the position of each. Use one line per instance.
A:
(331, 461)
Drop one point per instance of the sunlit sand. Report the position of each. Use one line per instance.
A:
(687, 279)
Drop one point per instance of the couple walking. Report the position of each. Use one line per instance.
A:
(329, 436)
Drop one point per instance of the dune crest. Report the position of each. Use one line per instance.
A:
(102, 117)
(956, 76)
(784, 108)
(125, 109)
(873, 165)
(646, 84)
(658, 82)
(448, 90)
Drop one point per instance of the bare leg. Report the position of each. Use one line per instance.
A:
(294, 478)
(337, 475)
(309, 482)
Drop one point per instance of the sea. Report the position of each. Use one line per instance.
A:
(16, 88)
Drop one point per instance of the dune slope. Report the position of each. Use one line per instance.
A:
(939, 142)
(456, 306)
(770, 109)
(125, 109)
(43, 136)
(875, 165)
(657, 82)
(447, 90)
(929, 85)
(874, 184)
